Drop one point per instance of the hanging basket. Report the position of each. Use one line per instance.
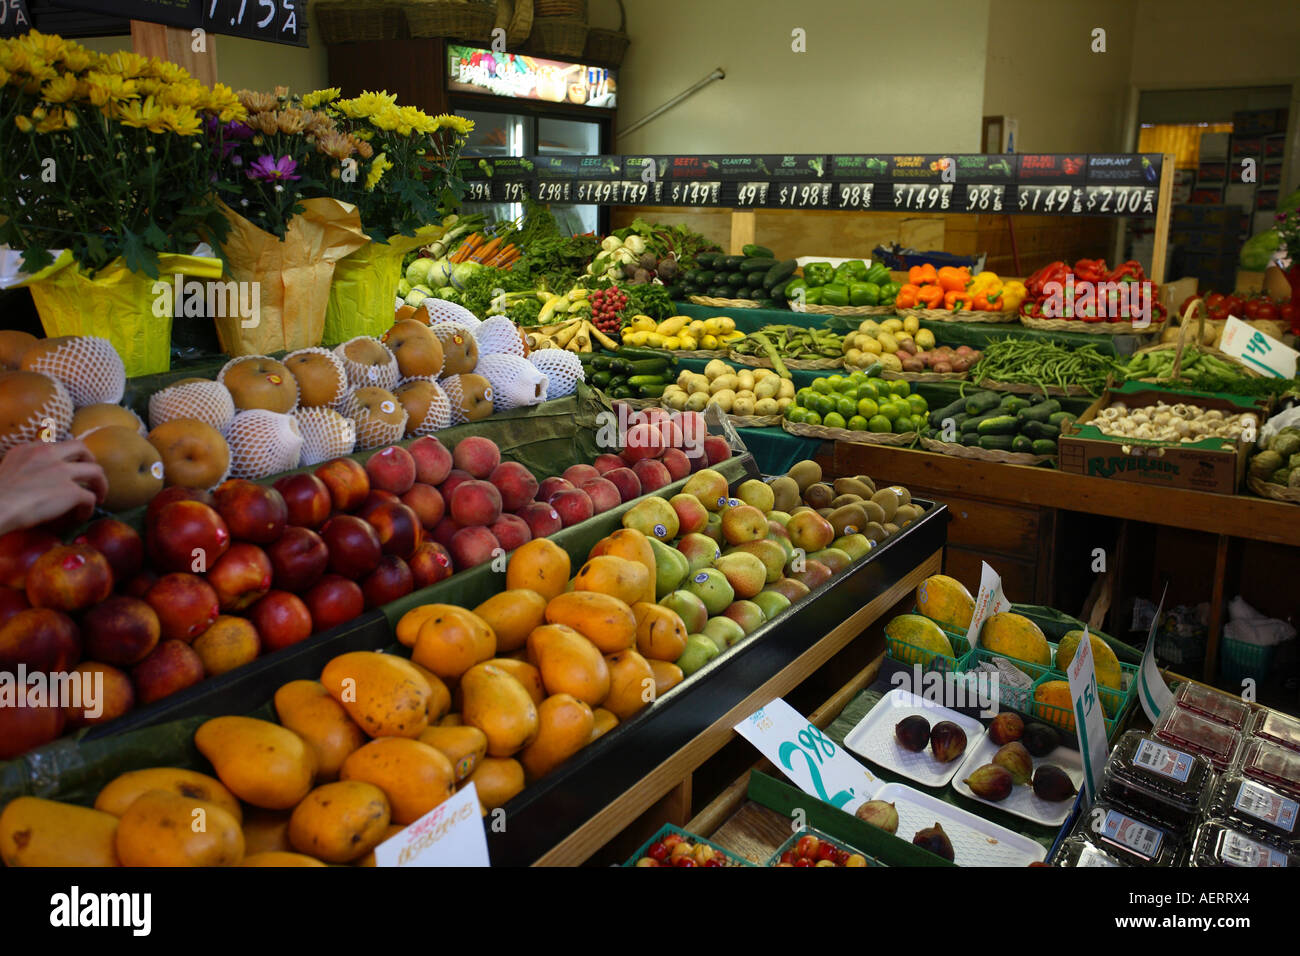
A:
(608, 46)
(460, 19)
(558, 36)
(576, 9)
(359, 21)
(516, 18)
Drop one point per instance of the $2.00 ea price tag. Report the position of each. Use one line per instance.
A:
(1089, 722)
(807, 756)
(451, 834)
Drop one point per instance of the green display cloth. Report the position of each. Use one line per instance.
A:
(776, 450)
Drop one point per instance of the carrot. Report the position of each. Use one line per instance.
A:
(486, 251)
(466, 247)
(503, 255)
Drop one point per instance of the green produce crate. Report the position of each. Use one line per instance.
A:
(906, 653)
(1239, 661)
(1113, 702)
(667, 828)
(1009, 698)
(775, 858)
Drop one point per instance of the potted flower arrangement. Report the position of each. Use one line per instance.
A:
(106, 187)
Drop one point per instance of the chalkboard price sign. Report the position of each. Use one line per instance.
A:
(14, 18)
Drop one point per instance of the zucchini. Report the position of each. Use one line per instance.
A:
(653, 391)
(1039, 412)
(641, 380)
(1043, 446)
(757, 252)
(621, 391)
(972, 423)
(1013, 403)
(1022, 445)
(951, 410)
(648, 367)
(1060, 418)
(706, 260)
(736, 278)
(722, 291)
(779, 273)
(620, 366)
(757, 265)
(601, 361)
(617, 381)
(982, 402)
(1036, 429)
(635, 353)
(754, 280)
(997, 425)
(704, 277)
(996, 442)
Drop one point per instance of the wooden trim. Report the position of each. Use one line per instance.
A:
(1164, 209)
(743, 225)
(177, 45)
(601, 828)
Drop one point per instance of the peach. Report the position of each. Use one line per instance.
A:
(346, 480)
(573, 506)
(652, 474)
(607, 462)
(229, 643)
(475, 503)
(670, 434)
(472, 546)
(353, 544)
(122, 631)
(373, 501)
(678, 465)
(69, 577)
(114, 695)
(625, 480)
(516, 484)
(693, 427)
(171, 667)
(641, 442)
(476, 455)
(188, 536)
(298, 559)
(455, 478)
(577, 474)
(430, 564)
(119, 543)
(444, 530)
(604, 494)
(716, 449)
(139, 585)
(186, 605)
(427, 503)
(252, 512)
(169, 495)
(550, 487)
(40, 638)
(19, 551)
(332, 601)
(281, 619)
(542, 519)
(390, 581)
(511, 531)
(433, 462)
(25, 728)
(12, 601)
(392, 469)
(306, 499)
(240, 576)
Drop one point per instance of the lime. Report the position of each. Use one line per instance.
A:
(822, 404)
(857, 378)
(918, 404)
(846, 405)
(801, 396)
(795, 413)
(857, 423)
(867, 407)
(899, 387)
(834, 420)
(823, 386)
(890, 411)
(836, 382)
(904, 424)
(812, 418)
(869, 389)
(879, 423)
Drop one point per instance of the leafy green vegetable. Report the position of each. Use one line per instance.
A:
(679, 241)
(488, 282)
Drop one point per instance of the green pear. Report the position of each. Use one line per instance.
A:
(855, 545)
(688, 607)
(670, 568)
(700, 551)
(723, 631)
(714, 527)
(757, 493)
(699, 650)
(833, 558)
(772, 602)
(712, 587)
(747, 614)
(653, 517)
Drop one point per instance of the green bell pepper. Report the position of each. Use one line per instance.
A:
(835, 293)
(864, 293)
(813, 295)
(855, 270)
(791, 291)
(878, 273)
(889, 292)
(818, 273)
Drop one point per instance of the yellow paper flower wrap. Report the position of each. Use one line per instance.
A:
(295, 275)
(116, 304)
(365, 286)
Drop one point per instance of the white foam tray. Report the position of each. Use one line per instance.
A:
(873, 738)
(975, 841)
(1023, 802)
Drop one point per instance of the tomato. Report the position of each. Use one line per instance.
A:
(1214, 299)
(1252, 307)
(1218, 312)
(1234, 305)
(1188, 301)
(1267, 310)
(1289, 312)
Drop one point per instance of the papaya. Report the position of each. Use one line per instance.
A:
(602, 722)
(497, 780)
(497, 704)
(266, 831)
(660, 633)
(1104, 661)
(260, 762)
(37, 832)
(525, 673)
(618, 577)
(122, 791)
(604, 620)
(161, 828)
(452, 640)
(667, 676)
(570, 664)
(414, 776)
(382, 693)
(1014, 635)
(564, 726)
(539, 565)
(279, 858)
(512, 615)
(306, 708)
(633, 545)
(920, 632)
(391, 831)
(947, 601)
(1058, 706)
(408, 627)
(339, 822)
(465, 747)
(631, 683)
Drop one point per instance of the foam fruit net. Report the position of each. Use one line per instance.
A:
(55, 414)
(369, 376)
(88, 367)
(515, 382)
(325, 434)
(499, 336)
(438, 414)
(440, 310)
(562, 369)
(263, 443)
(209, 402)
(342, 388)
(451, 385)
(225, 369)
(373, 432)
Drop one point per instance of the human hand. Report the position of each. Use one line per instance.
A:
(45, 480)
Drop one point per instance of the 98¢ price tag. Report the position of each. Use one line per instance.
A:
(807, 756)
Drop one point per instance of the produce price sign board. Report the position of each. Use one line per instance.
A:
(1046, 184)
(276, 21)
(14, 18)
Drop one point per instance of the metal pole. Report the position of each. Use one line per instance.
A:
(717, 74)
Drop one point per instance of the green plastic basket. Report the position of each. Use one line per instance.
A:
(668, 828)
(775, 858)
(1009, 698)
(906, 653)
(1114, 706)
(1239, 661)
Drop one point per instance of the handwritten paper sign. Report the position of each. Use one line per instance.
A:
(1154, 693)
(988, 602)
(1257, 350)
(1089, 721)
(451, 834)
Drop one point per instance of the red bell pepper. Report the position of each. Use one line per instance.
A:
(1130, 271)
(1090, 270)
(1052, 272)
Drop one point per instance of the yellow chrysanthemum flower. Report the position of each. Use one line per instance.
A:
(367, 104)
(456, 123)
(137, 113)
(4, 76)
(222, 100)
(53, 122)
(125, 64)
(182, 94)
(24, 124)
(321, 97)
(418, 120)
(43, 46)
(76, 59)
(182, 120)
(380, 166)
(104, 88)
(61, 89)
(388, 118)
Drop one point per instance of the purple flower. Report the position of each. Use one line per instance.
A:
(268, 169)
(238, 130)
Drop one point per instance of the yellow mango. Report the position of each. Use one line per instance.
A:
(306, 708)
(165, 829)
(260, 762)
(37, 832)
(122, 791)
(382, 693)
(340, 821)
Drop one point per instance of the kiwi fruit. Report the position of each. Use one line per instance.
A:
(875, 531)
(904, 496)
(819, 495)
(891, 528)
(805, 473)
(842, 500)
(852, 486)
(874, 512)
(887, 498)
(848, 519)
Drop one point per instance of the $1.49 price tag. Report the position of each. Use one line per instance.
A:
(807, 756)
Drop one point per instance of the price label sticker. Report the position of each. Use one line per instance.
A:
(1259, 351)
(855, 195)
(1045, 199)
(751, 194)
(514, 191)
(923, 196)
(1119, 200)
(988, 602)
(451, 834)
(696, 193)
(478, 191)
(807, 756)
(553, 191)
(984, 198)
(803, 195)
(1089, 721)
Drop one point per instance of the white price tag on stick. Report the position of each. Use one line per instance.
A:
(1089, 718)
(988, 602)
(807, 756)
(1257, 350)
(1154, 693)
(451, 834)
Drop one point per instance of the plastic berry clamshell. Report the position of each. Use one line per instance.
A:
(1218, 845)
(1257, 810)
(1217, 707)
(1127, 838)
(1158, 781)
(1279, 729)
(1079, 851)
(1272, 765)
(1200, 735)
(820, 848)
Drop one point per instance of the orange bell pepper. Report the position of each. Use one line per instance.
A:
(915, 276)
(956, 300)
(930, 297)
(951, 279)
(988, 301)
(906, 298)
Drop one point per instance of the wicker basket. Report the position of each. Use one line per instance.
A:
(845, 434)
(722, 303)
(976, 453)
(755, 421)
(560, 8)
(516, 18)
(946, 315)
(857, 310)
(460, 19)
(1197, 306)
(700, 353)
(1267, 489)
(1090, 328)
(924, 377)
(808, 365)
(558, 36)
(608, 46)
(357, 21)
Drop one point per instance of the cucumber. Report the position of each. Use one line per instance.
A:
(754, 280)
(972, 424)
(997, 425)
(648, 367)
(653, 391)
(1036, 429)
(982, 402)
(1013, 403)
(756, 251)
(736, 278)
(707, 260)
(757, 264)
(779, 273)
(600, 361)
(996, 442)
(1060, 418)
(1043, 446)
(635, 353)
(970, 439)
(730, 263)
(621, 391)
(620, 366)
(704, 277)
(600, 379)
(1039, 412)
(951, 410)
(1022, 445)
(722, 291)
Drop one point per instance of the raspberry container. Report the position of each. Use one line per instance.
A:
(1279, 729)
(1219, 845)
(1211, 704)
(1129, 839)
(1273, 765)
(1200, 735)
(1258, 810)
(1158, 782)
(1080, 851)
